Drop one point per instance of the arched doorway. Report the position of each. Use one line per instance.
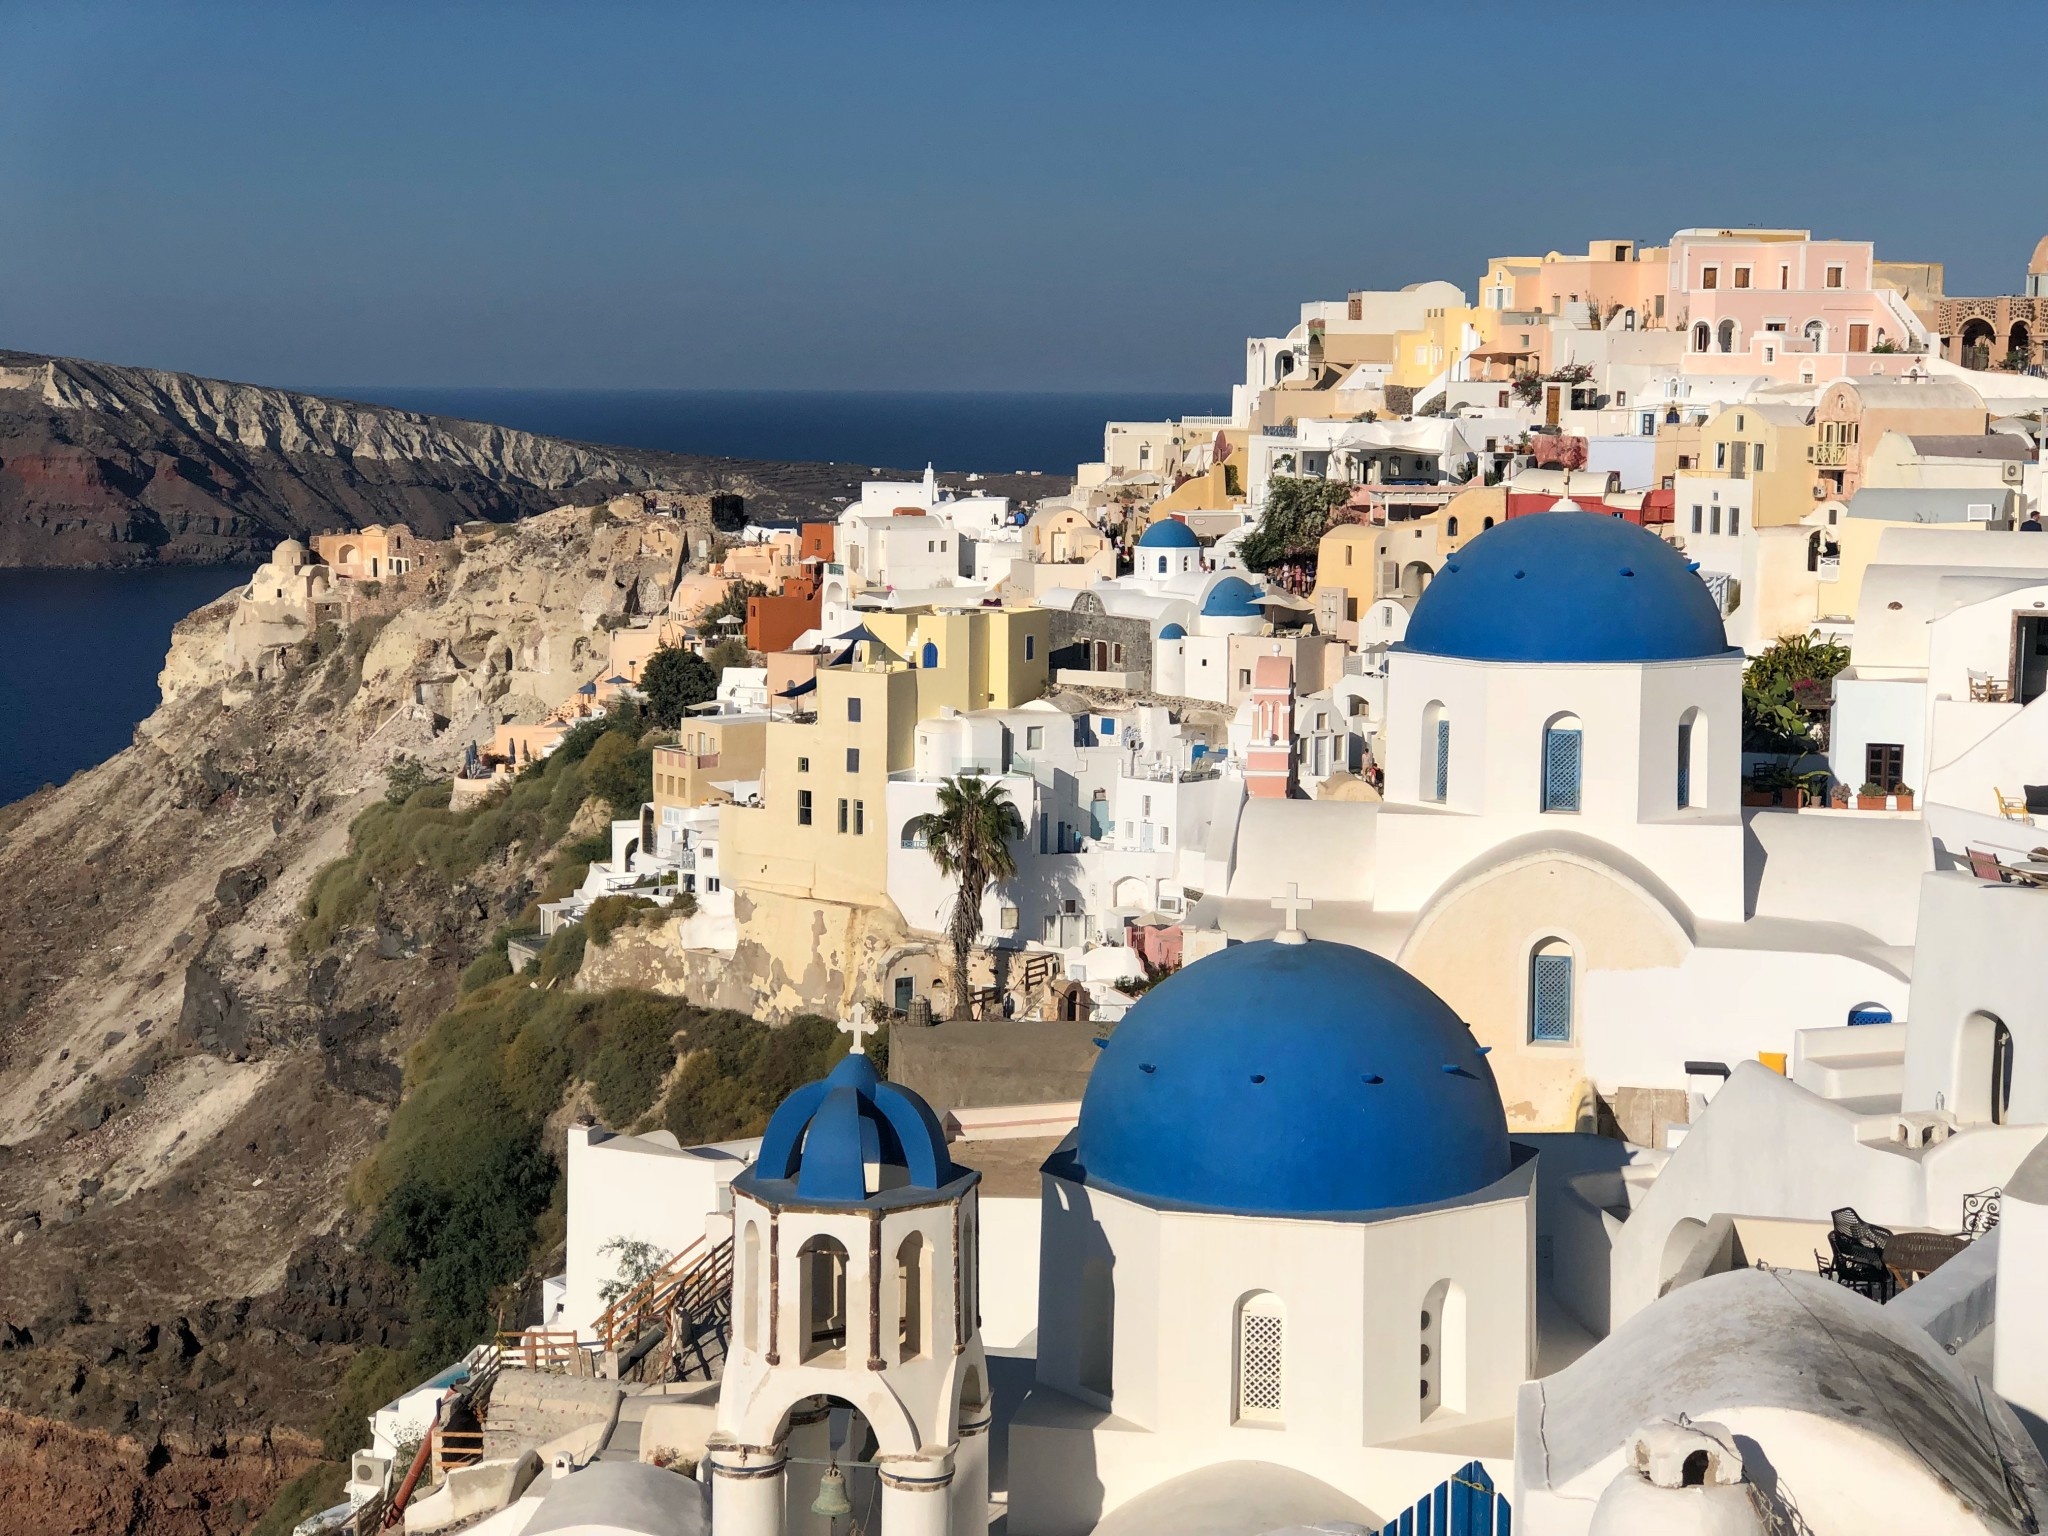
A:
(1816, 333)
(2019, 351)
(1975, 343)
(1983, 1081)
(1725, 336)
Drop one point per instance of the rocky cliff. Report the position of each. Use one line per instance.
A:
(108, 465)
(182, 1097)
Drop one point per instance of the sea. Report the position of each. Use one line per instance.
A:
(80, 650)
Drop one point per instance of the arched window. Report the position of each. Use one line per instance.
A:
(1816, 331)
(1561, 764)
(911, 1311)
(930, 657)
(1436, 753)
(1727, 336)
(1261, 1359)
(1870, 1013)
(913, 832)
(750, 1295)
(821, 1266)
(1628, 320)
(1550, 993)
(1701, 337)
(1097, 1333)
(1692, 759)
(1162, 565)
(1451, 527)
(1486, 525)
(1442, 1350)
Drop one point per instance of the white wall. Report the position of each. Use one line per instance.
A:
(1867, 711)
(1980, 951)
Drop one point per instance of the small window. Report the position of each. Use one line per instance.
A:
(1884, 764)
(1714, 517)
(860, 818)
(853, 710)
(1034, 737)
(803, 807)
(1244, 677)
(1108, 726)
(1742, 277)
(1834, 277)
(842, 816)
(803, 765)
(1734, 521)
(1699, 514)
(1261, 1360)
(1784, 276)
(1550, 993)
(1561, 754)
(853, 759)
(1031, 647)
(1710, 277)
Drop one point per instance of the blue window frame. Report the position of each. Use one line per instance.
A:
(1550, 998)
(1685, 765)
(1441, 789)
(1560, 768)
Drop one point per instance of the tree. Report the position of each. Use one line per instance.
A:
(673, 680)
(1297, 516)
(969, 838)
(638, 1262)
(734, 604)
(1786, 692)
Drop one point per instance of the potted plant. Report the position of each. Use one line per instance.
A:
(1870, 797)
(1902, 796)
(1840, 798)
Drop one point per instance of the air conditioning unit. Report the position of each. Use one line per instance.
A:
(2013, 470)
(1982, 512)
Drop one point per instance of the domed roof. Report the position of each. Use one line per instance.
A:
(1173, 632)
(1292, 1079)
(1232, 598)
(1168, 533)
(1566, 586)
(851, 1135)
(2039, 264)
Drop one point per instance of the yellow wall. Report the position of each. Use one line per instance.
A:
(708, 750)
(1784, 488)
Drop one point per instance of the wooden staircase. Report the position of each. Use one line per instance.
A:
(689, 1299)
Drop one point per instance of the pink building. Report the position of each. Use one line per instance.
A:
(1782, 305)
(1269, 760)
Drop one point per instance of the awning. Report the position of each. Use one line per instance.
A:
(798, 690)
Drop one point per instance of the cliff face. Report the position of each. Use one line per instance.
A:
(181, 1099)
(107, 465)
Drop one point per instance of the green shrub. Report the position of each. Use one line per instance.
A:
(562, 957)
(406, 777)
(318, 1487)
(492, 965)
(629, 1067)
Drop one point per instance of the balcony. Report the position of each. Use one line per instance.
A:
(1828, 455)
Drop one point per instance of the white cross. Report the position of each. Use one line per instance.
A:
(1293, 904)
(857, 1026)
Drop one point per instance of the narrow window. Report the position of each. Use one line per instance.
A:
(1699, 514)
(1550, 993)
(853, 759)
(1734, 520)
(842, 816)
(860, 817)
(1436, 753)
(910, 1297)
(1031, 647)
(1834, 277)
(1096, 1335)
(1561, 764)
(1690, 731)
(821, 1265)
(1742, 277)
(853, 709)
(1442, 1349)
(1261, 1360)
(803, 765)
(803, 807)
(750, 1278)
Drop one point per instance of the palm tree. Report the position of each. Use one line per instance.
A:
(969, 838)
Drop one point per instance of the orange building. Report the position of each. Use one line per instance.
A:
(368, 554)
(819, 542)
(775, 621)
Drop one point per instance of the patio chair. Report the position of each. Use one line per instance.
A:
(2012, 807)
(1985, 866)
(1857, 1249)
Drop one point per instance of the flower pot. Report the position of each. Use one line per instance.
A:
(1870, 802)
(1757, 797)
(1904, 801)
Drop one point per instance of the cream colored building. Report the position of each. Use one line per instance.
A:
(711, 753)
(368, 554)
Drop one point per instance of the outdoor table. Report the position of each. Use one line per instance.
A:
(1910, 1255)
(2032, 871)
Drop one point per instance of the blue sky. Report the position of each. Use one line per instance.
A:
(958, 196)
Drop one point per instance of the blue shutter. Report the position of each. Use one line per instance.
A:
(1560, 769)
(1443, 761)
(1550, 998)
(1685, 765)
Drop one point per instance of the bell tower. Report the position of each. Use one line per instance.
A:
(855, 1314)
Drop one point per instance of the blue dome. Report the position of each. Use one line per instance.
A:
(1298, 1079)
(1566, 586)
(1168, 534)
(827, 1136)
(1232, 598)
(1173, 632)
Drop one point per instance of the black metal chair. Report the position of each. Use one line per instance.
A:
(1857, 1249)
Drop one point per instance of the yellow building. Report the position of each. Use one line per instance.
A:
(1766, 445)
(971, 658)
(819, 833)
(710, 751)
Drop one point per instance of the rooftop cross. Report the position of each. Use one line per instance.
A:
(857, 1025)
(1293, 904)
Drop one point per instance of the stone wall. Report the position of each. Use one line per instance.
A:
(963, 1065)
